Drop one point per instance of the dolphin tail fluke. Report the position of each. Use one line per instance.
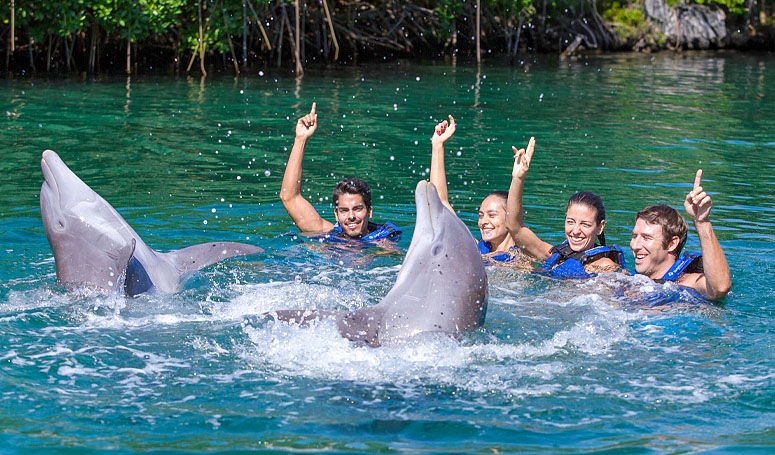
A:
(193, 258)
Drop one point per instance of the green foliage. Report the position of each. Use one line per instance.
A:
(448, 11)
(512, 8)
(177, 22)
(628, 21)
(733, 6)
(451, 12)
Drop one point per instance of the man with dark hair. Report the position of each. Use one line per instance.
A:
(659, 235)
(352, 196)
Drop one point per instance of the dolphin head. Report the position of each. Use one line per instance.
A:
(92, 244)
(442, 284)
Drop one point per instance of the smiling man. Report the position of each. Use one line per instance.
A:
(659, 235)
(352, 197)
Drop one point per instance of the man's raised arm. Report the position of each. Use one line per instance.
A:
(301, 211)
(717, 279)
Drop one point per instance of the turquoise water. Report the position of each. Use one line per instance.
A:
(557, 367)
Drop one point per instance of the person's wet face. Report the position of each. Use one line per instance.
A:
(648, 247)
(492, 219)
(581, 227)
(352, 214)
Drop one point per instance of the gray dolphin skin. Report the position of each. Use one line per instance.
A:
(94, 246)
(441, 287)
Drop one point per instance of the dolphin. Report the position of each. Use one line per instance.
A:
(94, 246)
(441, 287)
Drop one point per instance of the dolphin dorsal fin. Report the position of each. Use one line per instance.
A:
(196, 257)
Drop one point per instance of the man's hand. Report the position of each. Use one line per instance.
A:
(522, 159)
(444, 131)
(306, 126)
(698, 203)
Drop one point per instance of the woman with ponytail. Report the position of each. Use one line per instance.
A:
(584, 251)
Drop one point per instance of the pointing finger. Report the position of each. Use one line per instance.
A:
(697, 178)
(451, 120)
(531, 145)
(313, 108)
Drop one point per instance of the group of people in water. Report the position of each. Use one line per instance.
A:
(658, 237)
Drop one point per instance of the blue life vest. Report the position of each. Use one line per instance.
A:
(689, 262)
(504, 257)
(566, 263)
(376, 232)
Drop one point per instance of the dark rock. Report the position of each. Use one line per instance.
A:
(689, 26)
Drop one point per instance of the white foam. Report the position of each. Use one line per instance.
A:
(258, 299)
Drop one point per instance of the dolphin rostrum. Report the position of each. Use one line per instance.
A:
(441, 287)
(93, 245)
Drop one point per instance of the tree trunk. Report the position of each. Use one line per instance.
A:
(751, 5)
(244, 34)
(331, 27)
(201, 37)
(541, 33)
(13, 19)
(93, 48)
(48, 55)
(128, 56)
(519, 33)
(228, 38)
(296, 50)
(280, 37)
(454, 37)
(321, 39)
(267, 43)
(478, 31)
(69, 52)
(303, 25)
(201, 43)
(32, 57)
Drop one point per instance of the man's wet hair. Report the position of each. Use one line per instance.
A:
(500, 194)
(353, 185)
(673, 224)
(593, 201)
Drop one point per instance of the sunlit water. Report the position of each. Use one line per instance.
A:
(571, 365)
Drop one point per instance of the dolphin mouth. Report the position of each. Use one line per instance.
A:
(61, 186)
(50, 196)
(49, 180)
(430, 210)
(425, 223)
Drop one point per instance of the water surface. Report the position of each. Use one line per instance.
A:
(557, 364)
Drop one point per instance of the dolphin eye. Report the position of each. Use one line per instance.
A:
(436, 250)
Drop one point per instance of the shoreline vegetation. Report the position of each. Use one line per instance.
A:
(192, 36)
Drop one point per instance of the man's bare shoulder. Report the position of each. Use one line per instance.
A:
(690, 280)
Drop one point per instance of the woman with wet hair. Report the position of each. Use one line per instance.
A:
(584, 250)
(496, 245)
